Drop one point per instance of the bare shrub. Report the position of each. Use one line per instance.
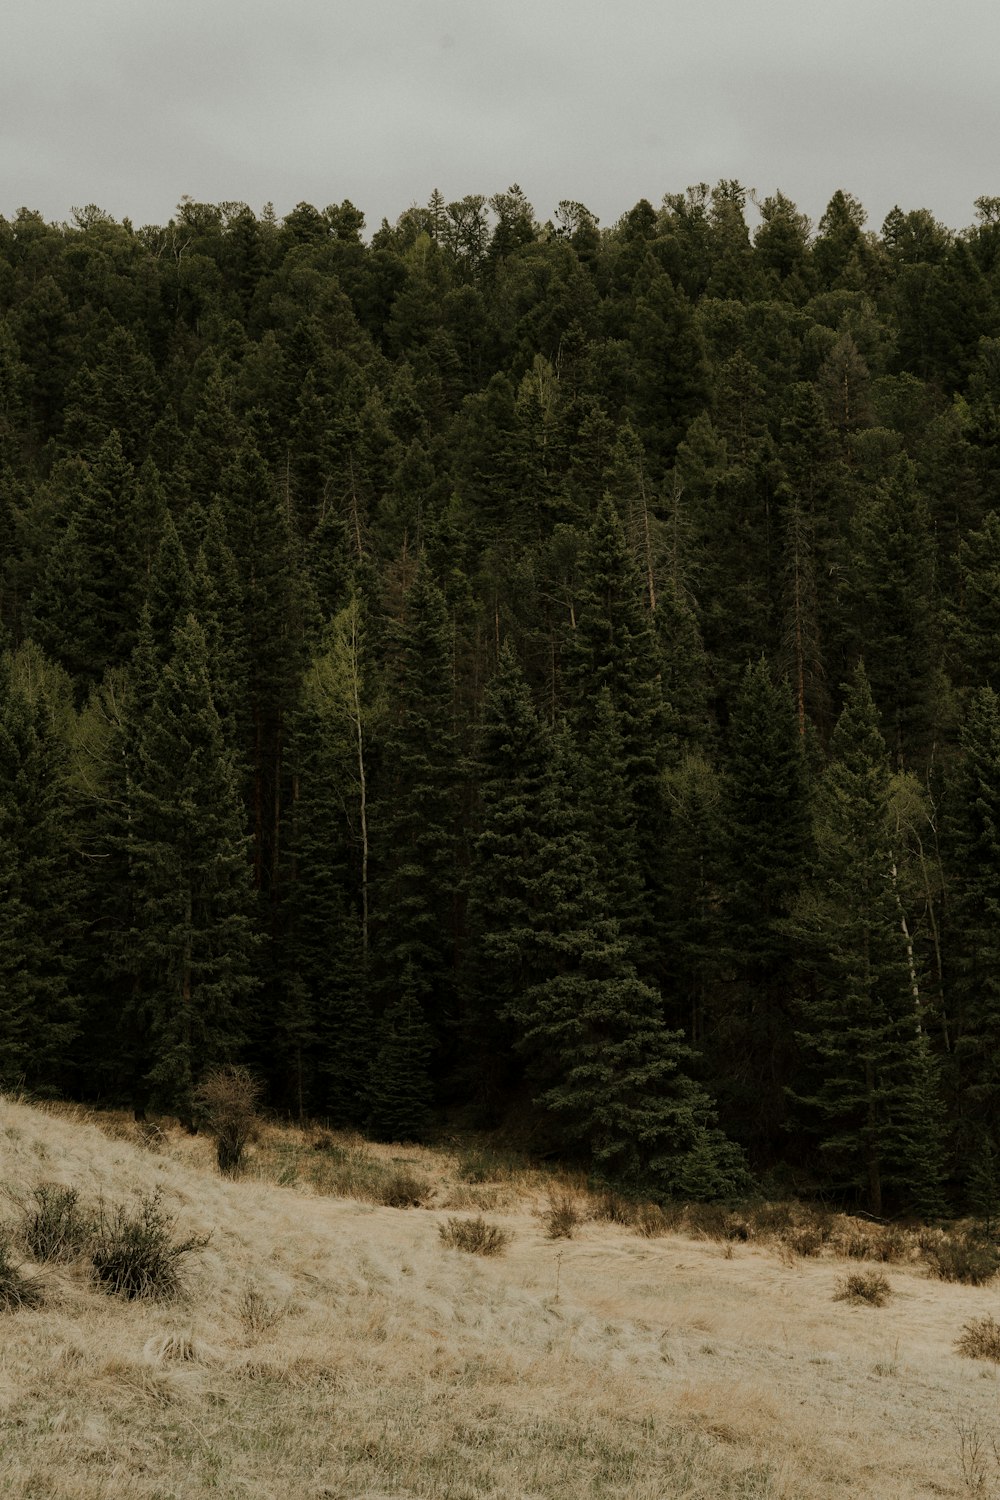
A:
(53, 1225)
(228, 1099)
(962, 1257)
(16, 1289)
(562, 1217)
(133, 1252)
(863, 1287)
(980, 1339)
(475, 1236)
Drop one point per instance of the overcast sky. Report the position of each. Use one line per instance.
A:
(131, 103)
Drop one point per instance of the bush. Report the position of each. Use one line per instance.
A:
(54, 1228)
(228, 1099)
(980, 1339)
(562, 1217)
(859, 1287)
(401, 1189)
(475, 1236)
(133, 1253)
(613, 1208)
(16, 1289)
(962, 1257)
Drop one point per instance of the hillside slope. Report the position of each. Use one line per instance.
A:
(328, 1347)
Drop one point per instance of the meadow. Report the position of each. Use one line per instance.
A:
(331, 1335)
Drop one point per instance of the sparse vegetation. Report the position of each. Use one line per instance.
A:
(134, 1254)
(402, 1188)
(869, 1288)
(475, 1236)
(980, 1339)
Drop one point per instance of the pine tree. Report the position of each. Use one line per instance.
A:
(39, 880)
(613, 1080)
(417, 815)
(400, 1087)
(613, 649)
(190, 868)
(972, 945)
(767, 827)
(873, 1095)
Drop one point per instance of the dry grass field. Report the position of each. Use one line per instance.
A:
(326, 1344)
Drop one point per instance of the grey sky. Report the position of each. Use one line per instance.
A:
(131, 103)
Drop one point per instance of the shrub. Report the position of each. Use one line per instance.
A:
(962, 1257)
(16, 1289)
(228, 1098)
(859, 1287)
(54, 1228)
(134, 1254)
(475, 1236)
(562, 1217)
(401, 1189)
(980, 1339)
(807, 1239)
(613, 1208)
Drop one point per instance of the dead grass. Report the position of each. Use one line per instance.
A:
(325, 1344)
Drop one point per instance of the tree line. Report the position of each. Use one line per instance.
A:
(502, 671)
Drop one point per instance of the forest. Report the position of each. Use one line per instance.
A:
(491, 673)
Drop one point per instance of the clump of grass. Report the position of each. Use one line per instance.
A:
(614, 1208)
(401, 1188)
(980, 1339)
(863, 1288)
(650, 1221)
(475, 1236)
(807, 1239)
(562, 1217)
(228, 1099)
(485, 1166)
(16, 1289)
(134, 1254)
(257, 1313)
(54, 1227)
(962, 1257)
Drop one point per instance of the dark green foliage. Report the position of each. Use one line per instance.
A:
(190, 866)
(645, 455)
(40, 882)
(874, 1097)
(399, 1088)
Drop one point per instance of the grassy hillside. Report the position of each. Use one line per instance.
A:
(333, 1346)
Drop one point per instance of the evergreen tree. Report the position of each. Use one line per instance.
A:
(768, 851)
(189, 863)
(39, 881)
(418, 813)
(873, 1096)
(972, 842)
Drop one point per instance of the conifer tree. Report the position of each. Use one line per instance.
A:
(873, 1096)
(767, 823)
(418, 814)
(972, 841)
(189, 863)
(40, 888)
